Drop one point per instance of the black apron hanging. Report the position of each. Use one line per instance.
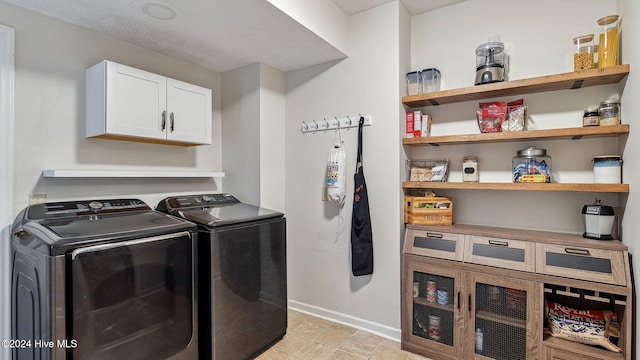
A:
(361, 237)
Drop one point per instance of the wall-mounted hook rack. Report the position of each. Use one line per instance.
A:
(342, 123)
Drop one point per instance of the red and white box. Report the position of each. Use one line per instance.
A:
(417, 123)
(409, 124)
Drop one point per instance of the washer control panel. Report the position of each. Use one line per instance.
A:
(84, 207)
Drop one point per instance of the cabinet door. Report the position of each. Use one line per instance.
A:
(188, 112)
(600, 265)
(135, 100)
(504, 318)
(504, 253)
(436, 244)
(431, 317)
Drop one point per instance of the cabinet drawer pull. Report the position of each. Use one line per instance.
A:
(574, 251)
(469, 303)
(171, 117)
(458, 300)
(498, 243)
(164, 121)
(434, 235)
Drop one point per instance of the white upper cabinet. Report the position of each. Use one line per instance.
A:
(126, 103)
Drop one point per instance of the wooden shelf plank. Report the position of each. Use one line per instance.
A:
(603, 188)
(424, 302)
(128, 174)
(564, 133)
(564, 81)
(502, 319)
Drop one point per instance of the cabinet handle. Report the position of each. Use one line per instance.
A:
(574, 251)
(171, 117)
(434, 235)
(498, 243)
(458, 300)
(164, 121)
(469, 303)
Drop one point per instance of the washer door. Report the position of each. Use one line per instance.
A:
(132, 299)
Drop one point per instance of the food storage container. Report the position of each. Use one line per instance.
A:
(470, 168)
(413, 83)
(430, 79)
(608, 41)
(591, 117)
(531, 165)
(609, 112)
(583, 57)
(607, 169)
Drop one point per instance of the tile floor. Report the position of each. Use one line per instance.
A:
(312, 338)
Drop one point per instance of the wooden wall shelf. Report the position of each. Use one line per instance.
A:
(565, 133)
(564, 81)
(601, 188)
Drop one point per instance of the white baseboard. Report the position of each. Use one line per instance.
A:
(358, 323)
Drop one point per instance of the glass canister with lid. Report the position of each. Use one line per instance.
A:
(583, 57)
(608, 46)
(531, 165)
(470, 168)
(609, 112)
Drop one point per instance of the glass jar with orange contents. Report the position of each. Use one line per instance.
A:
(608, 46)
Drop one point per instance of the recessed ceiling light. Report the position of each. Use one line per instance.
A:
(159, 11)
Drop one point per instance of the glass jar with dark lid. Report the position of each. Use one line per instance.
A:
(591, 116)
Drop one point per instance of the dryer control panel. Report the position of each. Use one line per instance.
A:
(206, 200)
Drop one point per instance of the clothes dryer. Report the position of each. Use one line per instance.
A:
(243, 273)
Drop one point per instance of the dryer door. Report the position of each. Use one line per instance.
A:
(132, 299)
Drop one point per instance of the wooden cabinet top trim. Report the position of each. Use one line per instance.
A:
(543, 237)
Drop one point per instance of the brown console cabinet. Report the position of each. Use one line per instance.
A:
(478, 292)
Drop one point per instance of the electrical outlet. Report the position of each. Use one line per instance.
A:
(37, 198)
(324, 193)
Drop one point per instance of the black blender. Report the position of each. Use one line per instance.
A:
(490, 63)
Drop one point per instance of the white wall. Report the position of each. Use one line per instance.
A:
(320, 279)
(539, 42)
(630, 35)
(51, 58)
(253, 111)
(272, 138)
(241, 129)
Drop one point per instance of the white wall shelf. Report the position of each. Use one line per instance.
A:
(129, 174)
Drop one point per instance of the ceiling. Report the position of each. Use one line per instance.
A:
(220, 35)
(414, 7)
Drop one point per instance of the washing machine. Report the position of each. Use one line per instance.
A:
(243, 273)
(103, 279)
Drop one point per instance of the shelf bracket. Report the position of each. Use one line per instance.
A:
(577, 84)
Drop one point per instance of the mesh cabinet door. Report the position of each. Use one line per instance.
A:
(432, 310)
(502, 324)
